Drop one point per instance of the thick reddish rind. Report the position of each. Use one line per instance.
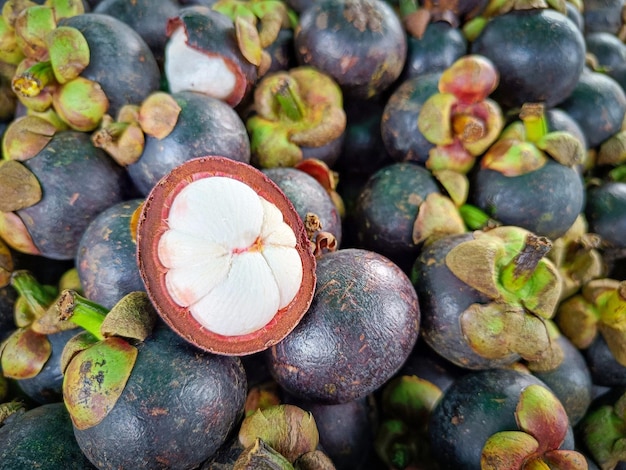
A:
(153, 223)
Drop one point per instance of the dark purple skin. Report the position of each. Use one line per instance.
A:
(360, 328)
(106, 259)
(608, 50)
(546, 201)
(604, 368)
(205, 126)
(570, 381)
(605, 210)
(475, 407)
(46, 386)
(120, 60)
(539, 54)
(369, 35)
(345, 430)
(398, 127)
(41, 438)
(307, 195)
(440, 46)
(282, 52)
(8, 295)
(603, 15)
(443, 298)
(387, 207)
(598, 105)
(178, 407)
(79, 181)
(147, 17)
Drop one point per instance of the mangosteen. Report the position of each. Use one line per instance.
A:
(606, 212)
(605, 370)
(360, 328)
(65, 169)
(501, 417)
(539, 53)
(202, 54)
(308, 197)
(106, 258)
(204, 126)
(141, 396)
(486, 296)
(41, 437)
(224, 256)
(369, 35)
(603, 16)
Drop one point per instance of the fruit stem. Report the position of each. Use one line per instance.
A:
(33, 80)
(109, 133)
(289, 101)
(475, 218)
(534, 119)
(36, 296)
(517, 272)
(82, 312)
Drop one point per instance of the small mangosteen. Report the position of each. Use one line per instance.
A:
(501, 418)
(202, 54)
(224, 256)
(41, 437)
(106, 258)
(139, 396)
(361, 326)
(369, 35)
(200, 125)
(65, 170)
(605, 209)
(486, 296)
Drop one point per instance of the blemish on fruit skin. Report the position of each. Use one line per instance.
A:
(73, 198)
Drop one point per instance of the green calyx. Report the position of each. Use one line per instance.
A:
(600, 307)
(98, 362)
(461, 120)
(542, 423)
(508, 264)
(302, 107)
(525, 146)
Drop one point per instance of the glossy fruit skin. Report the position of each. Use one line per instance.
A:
(177, 408)
(475, 407)
(106, 258)
(545, 201)
(205, 126)
(387, 207)
(604, 368)
(41, 438)
(367, 32)
(606, 212)
(79, 181)
(120, 60)
(307, 196)
(539, 53)
(602, 15)
(361, 326)
(598, 105)
(443, 298)
(570, 381)
(401, 136)
(46, 386)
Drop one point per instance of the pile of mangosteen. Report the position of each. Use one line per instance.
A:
(313, 234)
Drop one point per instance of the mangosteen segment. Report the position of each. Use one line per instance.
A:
(225, 256)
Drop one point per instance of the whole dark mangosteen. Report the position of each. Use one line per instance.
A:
(204, 126)
(77, 181)
(539, 53)
(606, 212)
(41, 437)
(106, 259)
(501, 417)
(360, 328)
(369, 35)
(141, 396)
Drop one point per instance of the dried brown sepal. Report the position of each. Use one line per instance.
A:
(437, 217)
(416, 22)
(26, 136)
(324, 242)
(578, 321)
(158, 114)
(19, 187)
(613, 150)
(259, 455)
(133, 317)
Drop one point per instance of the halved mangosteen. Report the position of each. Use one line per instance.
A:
(225, 256)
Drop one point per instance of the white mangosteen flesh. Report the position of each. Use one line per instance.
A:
(188, 69)
(231, 258)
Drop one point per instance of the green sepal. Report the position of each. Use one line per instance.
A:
(24, 354)
(31, 28)
(540, 413)
(69, 53)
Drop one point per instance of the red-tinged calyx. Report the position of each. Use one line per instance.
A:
(256, 275)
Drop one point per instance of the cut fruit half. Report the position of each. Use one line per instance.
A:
(225, 256)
